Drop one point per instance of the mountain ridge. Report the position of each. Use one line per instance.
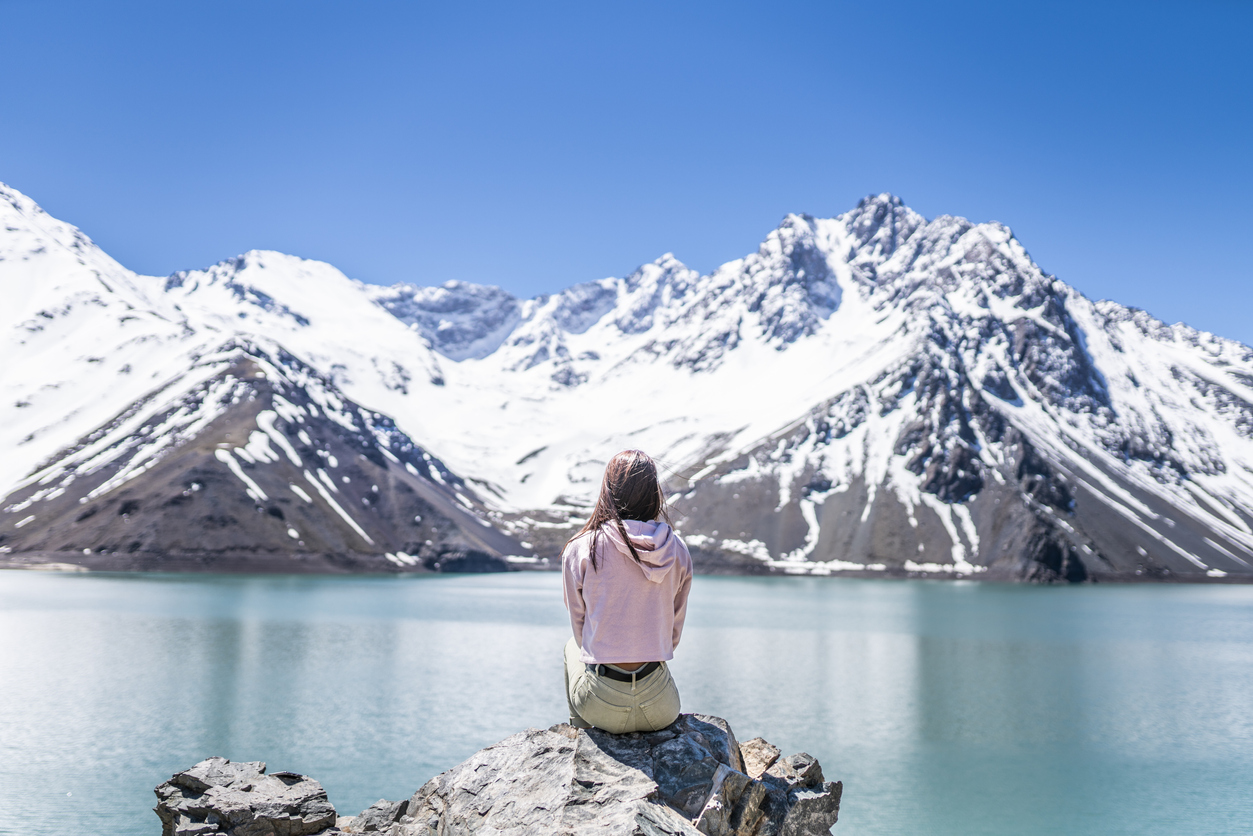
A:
(948, 391)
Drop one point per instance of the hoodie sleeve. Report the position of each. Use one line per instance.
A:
(680, 597)
(572, 590)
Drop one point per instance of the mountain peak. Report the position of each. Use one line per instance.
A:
(668, 261)
(881, 199)
(19, 201)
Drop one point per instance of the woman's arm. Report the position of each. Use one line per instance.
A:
(680, 605)
(572, 590)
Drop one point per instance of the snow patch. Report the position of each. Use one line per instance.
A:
(251, 488)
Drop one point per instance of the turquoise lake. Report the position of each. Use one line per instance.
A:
(944, 707)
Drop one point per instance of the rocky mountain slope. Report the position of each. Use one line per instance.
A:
(871, 393)
(251, 461)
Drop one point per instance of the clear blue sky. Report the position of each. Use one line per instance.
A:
(538, 145)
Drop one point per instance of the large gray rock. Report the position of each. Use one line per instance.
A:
(239, 799)
(688, 778)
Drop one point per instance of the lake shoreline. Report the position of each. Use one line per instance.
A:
(378, 565)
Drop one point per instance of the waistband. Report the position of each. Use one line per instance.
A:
(624, 676)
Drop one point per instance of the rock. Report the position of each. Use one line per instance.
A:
(800, 770)
(217, 796)
(758, 756)
(735, 805)
(380, 815)
(688, 778)
(812, 810)
(797, 784)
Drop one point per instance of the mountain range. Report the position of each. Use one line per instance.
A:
(871, 394)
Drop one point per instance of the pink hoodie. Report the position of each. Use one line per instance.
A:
(623, 611)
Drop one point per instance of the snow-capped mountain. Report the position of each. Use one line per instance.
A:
(251, 460)
(873, 392)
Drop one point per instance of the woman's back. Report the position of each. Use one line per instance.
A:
(624, 610)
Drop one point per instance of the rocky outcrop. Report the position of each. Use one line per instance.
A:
(688, 778)
(692, 777)
(217, 796)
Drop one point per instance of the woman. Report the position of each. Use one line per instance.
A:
(626, 578)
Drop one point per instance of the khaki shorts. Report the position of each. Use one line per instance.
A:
(648, 704)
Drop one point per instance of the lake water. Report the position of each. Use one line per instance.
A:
(945, 707)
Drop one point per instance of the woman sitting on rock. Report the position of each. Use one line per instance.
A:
(626, 576)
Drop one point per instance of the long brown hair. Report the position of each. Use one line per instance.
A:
(629, 491)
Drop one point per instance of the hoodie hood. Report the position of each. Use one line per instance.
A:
(655, 542)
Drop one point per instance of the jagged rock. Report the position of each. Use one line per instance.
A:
(758, 756)
(239, 799)
(812, 803)
(688, 778)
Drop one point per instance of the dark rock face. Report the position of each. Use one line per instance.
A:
(239, 799)
(458, 318)
(468, 561)
(692, 777)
